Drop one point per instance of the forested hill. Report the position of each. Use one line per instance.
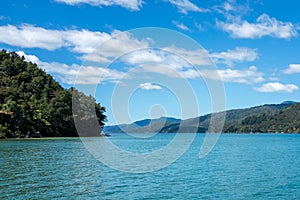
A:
(32, 103)
(269, 118)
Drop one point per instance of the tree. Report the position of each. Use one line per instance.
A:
(31, 101)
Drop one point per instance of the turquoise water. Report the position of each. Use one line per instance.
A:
(239, 167)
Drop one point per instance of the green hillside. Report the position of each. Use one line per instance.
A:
(283, 121)
(33, 104)
(269, 118)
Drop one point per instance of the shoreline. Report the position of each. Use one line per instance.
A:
(111, 134)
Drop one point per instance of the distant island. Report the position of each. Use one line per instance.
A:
(33, 104)
(269, 118)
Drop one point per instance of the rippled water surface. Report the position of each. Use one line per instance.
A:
(239, 167)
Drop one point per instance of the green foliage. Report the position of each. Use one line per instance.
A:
(273, 118)
(284, 119)
(32, 101)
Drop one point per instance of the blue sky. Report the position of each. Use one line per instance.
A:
(254, 45)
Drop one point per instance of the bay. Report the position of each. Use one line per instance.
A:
(241, 166)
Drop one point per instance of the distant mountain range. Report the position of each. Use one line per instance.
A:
(142, 126)
(269, 118)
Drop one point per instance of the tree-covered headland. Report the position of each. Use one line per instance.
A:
(33, 104)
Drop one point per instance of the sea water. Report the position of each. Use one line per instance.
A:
(254, 166)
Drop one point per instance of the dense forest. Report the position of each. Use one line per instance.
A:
(285, 120)
(269, 118)
(33, 104)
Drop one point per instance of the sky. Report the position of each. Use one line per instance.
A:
(147, 59)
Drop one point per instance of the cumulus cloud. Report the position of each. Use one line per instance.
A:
(28, 36)
(95, 46)
(185, 6)
(264, 26)
(70, 74)
(181, 26)
(245, 76)
(239, 54)
(29, 58)
(143, 56)
(149, 86)
(199, 57)
(202, 57)
(95, 75)
(292, 69)
(277, 87)
(182, 63)
(177, 58)
(119, 44)
(128, 4)
(83, 41)
(102, 47)
(170, 71)
(131, 51)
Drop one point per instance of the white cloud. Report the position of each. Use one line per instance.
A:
(143, 56)
(70, 73)
(184, 6)
(277, 87)
(149, 86)
(202, 57)
(29, 58)
(181, 26)
(103, 47)
(128, 4)
(227, 6)
(29, 36)
(119, 44)
(264, 26)
(169, 71)
(90, 74)
(231, 9)
(199, 57)
(292, 69)
(182, 63)
(245, 76)
(239, 54)
(83, 41)
(171, 56)
(136, 52)
(192, 74)
(96, 46)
